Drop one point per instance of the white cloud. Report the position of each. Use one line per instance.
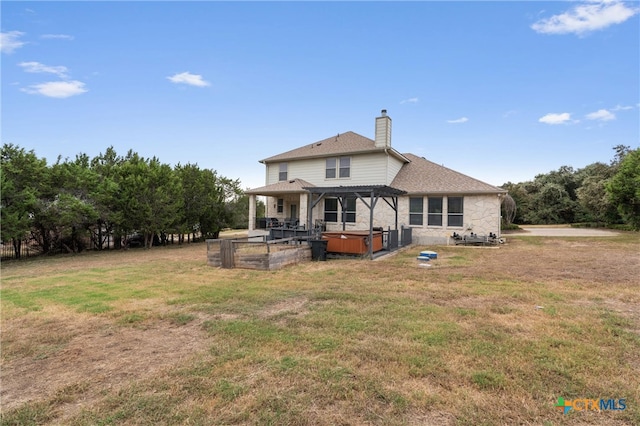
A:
(410, 101)
(37, 67)
(601, 115)
(57, 36)
(621, 108)
(458, 120)
(590, 16)
(188, 78)
(57, 89)
(553, 118)
(10, 41)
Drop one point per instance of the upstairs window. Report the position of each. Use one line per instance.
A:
(416, 206)
(330, 172)
(282, 175)
(345, 167)
(337, 168)
(434, 216)
(455, 211)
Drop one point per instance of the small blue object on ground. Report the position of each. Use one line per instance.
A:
(429, 254)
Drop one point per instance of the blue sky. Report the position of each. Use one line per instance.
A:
(500, 91)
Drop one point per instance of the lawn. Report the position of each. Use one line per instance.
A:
(483, 336)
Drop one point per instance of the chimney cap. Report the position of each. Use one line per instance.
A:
(383, 112)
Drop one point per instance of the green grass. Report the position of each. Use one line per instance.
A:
(482, 337)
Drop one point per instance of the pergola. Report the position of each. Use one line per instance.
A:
(368, 194)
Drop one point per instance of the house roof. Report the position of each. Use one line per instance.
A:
(341, 144)
(285, 186)
(422, 176)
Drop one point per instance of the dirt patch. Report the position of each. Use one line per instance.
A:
(77, 357)
(293, 306)
(92, 355)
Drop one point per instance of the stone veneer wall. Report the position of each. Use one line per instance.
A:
(299, 200)
(481, 216)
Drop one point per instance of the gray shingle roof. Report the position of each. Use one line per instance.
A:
(294, 185)
(422, 176)
(341, 144)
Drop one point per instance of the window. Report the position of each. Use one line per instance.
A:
(455, 208)
(331, 210)
(345, 167)
(280, 205)
(338, 167)
(330, 172)
(283, 172)
(435, 211)
(349, 209)
(415, 211)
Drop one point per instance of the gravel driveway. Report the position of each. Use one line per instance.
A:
(564, 232)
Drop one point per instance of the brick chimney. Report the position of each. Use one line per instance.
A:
(383, 130)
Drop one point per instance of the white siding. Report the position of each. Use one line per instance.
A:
(273, 172)
(393, 167)
(366, 169)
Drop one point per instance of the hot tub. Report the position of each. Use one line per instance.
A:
(352, 242)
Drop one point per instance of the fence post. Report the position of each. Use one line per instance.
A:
(226, 254)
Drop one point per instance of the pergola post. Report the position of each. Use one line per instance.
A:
(373, 192)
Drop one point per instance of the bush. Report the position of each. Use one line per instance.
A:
(510, 227)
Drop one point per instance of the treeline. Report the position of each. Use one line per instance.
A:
(602, 194)
(73, 203)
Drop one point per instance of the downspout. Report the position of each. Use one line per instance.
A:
(386, 177)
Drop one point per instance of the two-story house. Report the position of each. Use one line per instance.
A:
(339, 181)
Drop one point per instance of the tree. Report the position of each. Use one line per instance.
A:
(624, 189)
(551, 198)
(240, 211)
(194, 197)
(592, 193)
(107, 202)
(67, 211)
(509, 209)
(22, 174)
(621, 152)
(521, 198)
(221, 193)
(210, 201)
(552, 205)
(151, 194)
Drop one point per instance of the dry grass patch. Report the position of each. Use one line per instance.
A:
(47, 354)
(481, 337)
